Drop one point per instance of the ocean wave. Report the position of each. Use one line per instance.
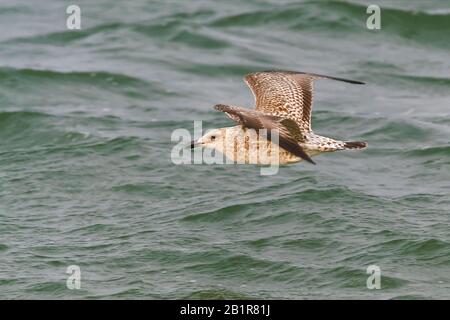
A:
(163, 29)
(188, 33)
(66, 37)
(10, 116)
(399, 131)
(230, 264)
(190, 28)
(214, 70)
(410, 297)
(28, 130)
(443, 151)
(215, 294)
(344, 16)
(86, 77)
(55, 287)
(424, 80)
(432, 249)
(41, 86)
(306, 198)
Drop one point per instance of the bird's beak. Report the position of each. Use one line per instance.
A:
(195, 143)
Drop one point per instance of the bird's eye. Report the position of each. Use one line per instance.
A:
(213, 138)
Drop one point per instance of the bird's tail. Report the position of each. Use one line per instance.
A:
(325, 144)
(348, 145)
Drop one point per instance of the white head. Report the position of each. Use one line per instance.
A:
(214, 139)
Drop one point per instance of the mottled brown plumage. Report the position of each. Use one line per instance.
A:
(288, 131)
(283, 103)
(286, 94)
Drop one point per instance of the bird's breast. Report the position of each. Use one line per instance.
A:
(247, 146)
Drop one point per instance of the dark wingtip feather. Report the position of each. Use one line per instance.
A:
(347, 80)
(317, 75)
(294, 148)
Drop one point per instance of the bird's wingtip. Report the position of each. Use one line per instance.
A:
(358, 82)
(312, 74)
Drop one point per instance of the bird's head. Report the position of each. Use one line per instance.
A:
(214, 139)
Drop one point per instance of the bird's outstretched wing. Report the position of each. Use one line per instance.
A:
(287, 94)
(288, 131)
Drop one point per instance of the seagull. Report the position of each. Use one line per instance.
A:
(280, 124)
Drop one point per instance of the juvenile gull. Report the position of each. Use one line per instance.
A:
(283, 105)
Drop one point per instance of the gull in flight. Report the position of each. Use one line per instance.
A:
(283, 105)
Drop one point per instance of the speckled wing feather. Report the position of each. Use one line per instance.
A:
(288, 131)
(286, 94)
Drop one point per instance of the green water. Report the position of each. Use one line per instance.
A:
(86, 177)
